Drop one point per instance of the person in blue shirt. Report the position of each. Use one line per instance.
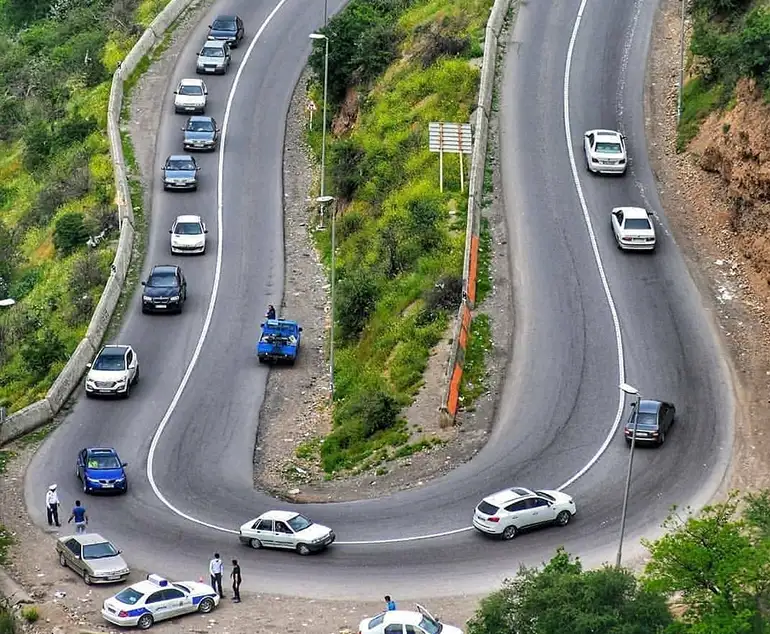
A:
(390, 603)
(80, 517)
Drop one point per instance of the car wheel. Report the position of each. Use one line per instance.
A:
(563, 518)
(86, 488)
(62, 560)
(510, 532)
(127, 393)
(145, 622)
(87, 578)
(205, 606)
(628, 441)
(661, 438)
(88, 394)
(136, 376)
(303, 549)
(255, 544)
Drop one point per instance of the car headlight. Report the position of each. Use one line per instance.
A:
(90, 479)
(175, 298)
(146, 298)
(121, 478)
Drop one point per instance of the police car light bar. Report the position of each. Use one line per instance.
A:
(157, 580)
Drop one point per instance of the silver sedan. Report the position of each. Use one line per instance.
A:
(93, 557)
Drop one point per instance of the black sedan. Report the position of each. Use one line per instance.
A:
(200, 133)
(228, 28)
(165, 290)
(653, 422)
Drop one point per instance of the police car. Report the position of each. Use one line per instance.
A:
(156, 599)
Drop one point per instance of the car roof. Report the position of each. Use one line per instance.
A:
(225, 17)
(113, 350)
(409, 617)
(610, 133)
(85, 538)
(276, 323)
(506, 496)
(164, 269)
(200, 117)
(283, 516)
(103, 450)
(189, 81)
(214, 44)
(180, 157)
(188, 218)
(649, 406)
(632, 212)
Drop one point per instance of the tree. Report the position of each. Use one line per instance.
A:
(562, 597)
(719, 564)
(357, 296)
(69, 232)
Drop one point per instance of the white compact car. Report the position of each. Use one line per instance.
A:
(633, 229)
(112, 373)
(157, 599)
(188, 235)
(288, 530)
(605, 151)
(507, 512)
(406, 622)
(191, 96)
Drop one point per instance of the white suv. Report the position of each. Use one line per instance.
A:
(605, 151)
(190, 96)
(507, 512)
(112, 373)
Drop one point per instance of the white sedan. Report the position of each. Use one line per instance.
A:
(188, 235)
(157, 599)
(633, 228)
(287, 530)
(190, 96)
(605, 151)
(507, 512)
(406, 622)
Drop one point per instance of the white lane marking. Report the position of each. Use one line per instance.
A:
(597, 257)
(214, 290)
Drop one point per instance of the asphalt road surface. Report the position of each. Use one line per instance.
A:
(559, 410)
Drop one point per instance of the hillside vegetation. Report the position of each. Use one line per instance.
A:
(56, 181)
(394, 66)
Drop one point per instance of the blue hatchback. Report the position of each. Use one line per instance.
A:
(100, 469)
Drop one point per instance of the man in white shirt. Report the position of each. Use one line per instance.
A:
(217, 568)
(52, 505)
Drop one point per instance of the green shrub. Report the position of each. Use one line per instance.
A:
(69, 232)
(724, 8)
(40, 351)
(357, 296)
(346, 169)
(445, 294)
(30, 613)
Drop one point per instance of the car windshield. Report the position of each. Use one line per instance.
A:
(224, 25)
(636, 224)
(103, 462)
(160, 280)
(212, 52)
(110, 362)
(180, 165)
(430, 626)
(608, 148)
(129, 596)
(190, 89)
(299, 523)
(188, 229)
(99, 551)
(646, 421)
(200, 126)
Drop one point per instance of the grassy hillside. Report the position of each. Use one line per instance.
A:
(394, 66)
(56, 183)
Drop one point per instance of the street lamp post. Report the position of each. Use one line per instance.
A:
(631, 391)
(325, 200)
(321, 36)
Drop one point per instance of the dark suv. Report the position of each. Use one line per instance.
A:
(654, 422)
(165, 290)
(228, 28)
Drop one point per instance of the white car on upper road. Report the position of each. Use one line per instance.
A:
(112, 373)
(510, 511)
(157, 599)
(633, 228)
(188, 235)
(406, 622)
(605, 151)
(190, 96)
(288, 530)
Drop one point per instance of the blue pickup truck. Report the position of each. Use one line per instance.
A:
(279, 341)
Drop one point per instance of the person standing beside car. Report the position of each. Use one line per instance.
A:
(216, 568)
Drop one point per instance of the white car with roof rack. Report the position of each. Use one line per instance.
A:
(287, 530)
(156, 599)
(605, 151)
(406, 622)
(507, 512)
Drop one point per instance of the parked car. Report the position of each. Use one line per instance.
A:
(100, 469)
(279, 341)
(633, 229)
(180, 171)
(288, 530)
(406, 622)
(200, 133)
(605, 151)
(191, 95)
(156, 599)
(228, 28)
(214, 58)
(654, 422)
(93, 557)
(510, 511)
(165, 289)
(188, 235)
(112, 372)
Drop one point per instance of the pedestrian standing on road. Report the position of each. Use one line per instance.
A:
(52, 505)
(217, 568)
(235, 575)
(80, 517)
(270, 312)
(390, 604)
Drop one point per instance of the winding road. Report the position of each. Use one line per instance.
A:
(587, 316)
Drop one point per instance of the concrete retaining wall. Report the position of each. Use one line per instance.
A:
(39, 413)
(475, 199)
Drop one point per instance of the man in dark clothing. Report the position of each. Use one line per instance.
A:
(270, 312)
(235, 575)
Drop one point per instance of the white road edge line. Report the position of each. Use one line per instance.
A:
(217, 274)
(214, 289)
